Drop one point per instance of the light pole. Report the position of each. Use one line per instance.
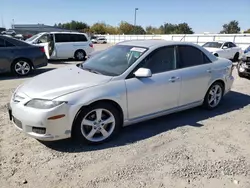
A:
(135, 17)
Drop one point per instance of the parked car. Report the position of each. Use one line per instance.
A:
(243, 66)
(130, 82)
(19, 57)
(63, 45)
(227, 50)
(9, 32)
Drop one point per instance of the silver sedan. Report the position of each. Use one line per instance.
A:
(130, 82)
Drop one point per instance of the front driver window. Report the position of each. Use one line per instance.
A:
(161, 60)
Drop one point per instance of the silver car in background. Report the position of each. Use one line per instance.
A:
(130, 82)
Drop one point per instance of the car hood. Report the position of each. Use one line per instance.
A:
(61, 81)
(212, 49)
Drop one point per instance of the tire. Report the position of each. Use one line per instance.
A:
(97, 126)
(240, 74)
(219, 89)
(236, 57)
(80, 55)
(21, 67)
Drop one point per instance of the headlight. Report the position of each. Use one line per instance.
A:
(43, 104)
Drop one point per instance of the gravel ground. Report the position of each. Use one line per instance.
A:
(195, 148)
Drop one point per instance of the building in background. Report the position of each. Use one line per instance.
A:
(32, 29)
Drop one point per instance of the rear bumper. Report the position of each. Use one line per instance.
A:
(229, 84)
(40, 62)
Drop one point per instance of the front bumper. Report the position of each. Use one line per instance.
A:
(35, 123)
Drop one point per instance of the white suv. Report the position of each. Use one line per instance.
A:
(63, 45)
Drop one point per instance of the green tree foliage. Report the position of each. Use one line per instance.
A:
(231, 28)
(153, 30)
(247, 31)
(73, 25)
(182, 28)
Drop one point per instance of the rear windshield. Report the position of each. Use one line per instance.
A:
(16, 42)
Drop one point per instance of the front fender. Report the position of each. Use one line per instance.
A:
(114, 91)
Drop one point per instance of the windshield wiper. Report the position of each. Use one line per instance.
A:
(90, 70)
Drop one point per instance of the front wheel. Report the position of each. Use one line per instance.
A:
(97, 124)
(213, 96)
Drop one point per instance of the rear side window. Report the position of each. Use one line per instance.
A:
(190, 56)
(8, 44)
(2, 44)
(82, 38)
(62, 38)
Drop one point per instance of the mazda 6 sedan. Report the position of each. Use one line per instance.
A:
(130, 82)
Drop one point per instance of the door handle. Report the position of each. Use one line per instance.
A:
(173, 79)
(209, 70)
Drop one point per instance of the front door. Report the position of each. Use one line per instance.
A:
(196, 72)
(157, 93)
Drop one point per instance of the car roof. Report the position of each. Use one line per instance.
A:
(63, 32)
(14, 41)
(148, 43)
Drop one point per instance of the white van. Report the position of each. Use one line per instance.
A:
(63, 45)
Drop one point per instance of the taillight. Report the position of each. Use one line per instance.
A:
(42, 49)
(91, 45)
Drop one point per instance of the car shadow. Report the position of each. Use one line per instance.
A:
(64, 61)
(10, 76)
(134, 133)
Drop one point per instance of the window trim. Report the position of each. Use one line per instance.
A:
(179, 57)
(131, 74)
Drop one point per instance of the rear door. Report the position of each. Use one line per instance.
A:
(6, 55)
(196, 73)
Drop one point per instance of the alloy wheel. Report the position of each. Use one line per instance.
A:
(22, 68)
(215, 95)
(98, 125)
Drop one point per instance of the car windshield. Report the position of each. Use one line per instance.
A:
(113, 61)
(213, 44)
(33, 37)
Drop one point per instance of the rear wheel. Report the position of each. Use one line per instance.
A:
(214, 96)
(21, 67)
(80, 55)
(97, 124)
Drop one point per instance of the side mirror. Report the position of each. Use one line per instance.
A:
(224, 47)
(143, 73)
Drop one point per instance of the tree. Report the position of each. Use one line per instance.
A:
(126, 28)
(231, 28)
(139, 30)
(73, 25)
(153, 30)
(247, 31)
(98, 28)
(182, 28)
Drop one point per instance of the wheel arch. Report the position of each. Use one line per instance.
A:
(112, 102)
(21, 58)
(220, 81)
